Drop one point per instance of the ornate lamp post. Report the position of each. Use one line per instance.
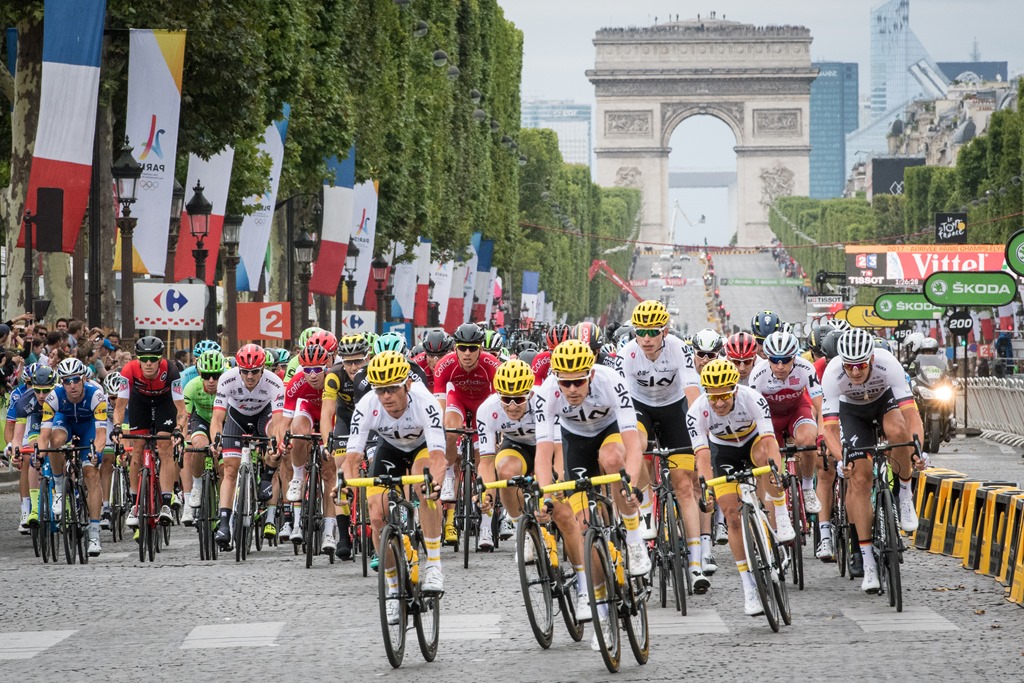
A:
(126, 172)
(177, 204)
(304, 245)
(29, 270)
(346, 284)
(379, 273)
(199, 209)
(232, 233)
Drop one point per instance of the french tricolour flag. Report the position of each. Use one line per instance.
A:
(72, 41)
(339, 205)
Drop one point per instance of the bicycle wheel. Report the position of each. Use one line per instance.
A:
(678, 553)
(239, 534)
(597, 562)
(779, 580)
(796, 519)
(468, 509)
(888, 541)
(119, 504)
(45, 530)
(69, 521)
(311, 515)
(633, 599)
(203, 522)
(759, 564)
(565, 588)
(392, 554)
(363, 531)
(535, 581)
(82, 525)
(840, 526)
(428, 613)
(144, 513)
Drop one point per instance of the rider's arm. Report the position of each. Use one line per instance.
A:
(99, 414)
(217, 423)
(626, 418)
(329, 405)
(697, 426)
(119, 407)
(545, 426)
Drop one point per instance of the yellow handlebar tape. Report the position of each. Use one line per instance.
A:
(757, 472)
(571, 485)
(503, 484)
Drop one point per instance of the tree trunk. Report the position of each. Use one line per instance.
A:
(108, 228)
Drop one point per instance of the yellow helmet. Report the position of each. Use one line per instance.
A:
(650, 313)
(513, 378)
(387, 367)
(572, 355)
(719, 374)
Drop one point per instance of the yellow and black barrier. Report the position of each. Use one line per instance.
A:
(979, 522)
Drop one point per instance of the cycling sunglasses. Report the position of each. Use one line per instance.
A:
(71, 380)
(706, 354)
(380, 391)
(856, 366)
(741, 361)
(566, 383)
(723, 396)
(353, 361)
(314, 369)
(43, 391)
(254, 371)
(150, 359)
(514, 400)
(780, 360)
(465, 348)
(210, 375)
(651, 332)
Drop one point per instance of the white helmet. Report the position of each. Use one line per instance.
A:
(707, 341)
(842, 325)
(781, 344)
(856, 346)
(71, 367)
(929, 345)
(913, 341)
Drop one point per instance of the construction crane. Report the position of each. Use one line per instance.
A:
(599, 265)
(678, 211)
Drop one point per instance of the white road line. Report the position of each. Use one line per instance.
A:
(259, 634)
(885, 618)
(470, 626)
(28, 644)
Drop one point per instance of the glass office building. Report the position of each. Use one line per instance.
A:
(834, 113)
(570, 121)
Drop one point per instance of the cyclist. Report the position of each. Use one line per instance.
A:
(281, 359)
(707, 345)
(408, 420)
(863, 386)
(494, 344)
(293, 363)
(737, 419)
(200, 394)
(555, 335)
(22, 428)
(76, 411)
(302, 409)
(151, 401)
(249, 400)
(590, 334)
(741, 349)
(763, 324)
(662, 381)
(112, 385)
(593, 408)
(191, 372)
(436, 345)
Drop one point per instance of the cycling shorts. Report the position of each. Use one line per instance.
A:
(523, 452)
(309, 411)
(580, 453)
(144, 418)
(857, 421)
(85, 431)
(786, 424)
(238, 424)
(669, 422)
(454, 403)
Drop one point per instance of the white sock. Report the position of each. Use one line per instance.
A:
(486, 520)
(825, 530)
(705, 545)
(197, 483)
(299, 473)
(747, 578)
(808, 483)
(905, 486)
(449, 473)
(696, 547)
(271, 510)
(719, 517)
(869, 557)
(26, 504)
(330, 526)
(58, 484)
(581, 581)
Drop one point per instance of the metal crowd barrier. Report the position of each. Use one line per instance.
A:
(996, 406)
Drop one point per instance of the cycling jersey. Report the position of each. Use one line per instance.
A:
(472, 385)
(76, 418)
(419, 424)
(420, 359)
(150, 392)
(749, 418)
(301, 397)
(663, 380)
(607, 402)
(197, 401)
(885, 372)
(293, 367)
(25, 409)
(541, 366)
(493, 424)
(789, 394)
(231, 393)
(819, 367)
(189, 374)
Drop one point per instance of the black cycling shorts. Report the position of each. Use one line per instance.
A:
(237, 424)
(143, 416)
(579, 453)
(522, 451)
(198, 425)
(857, 421)
(669, 422)
(394, 461)
(729, 459)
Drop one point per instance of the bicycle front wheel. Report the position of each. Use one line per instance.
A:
(468, 511)
(759, 564)
(796, 519)
(775, 554)
(363, 530)
(47, 540)
(312, 515)
(243, 514)
(68, 521)
(633, 601)
(841, 526)
(678, 552)
(887, 539)
(566, 588)
(391, 582)
(428, 611)
(535, 580)
(144, 514)
(602, 591)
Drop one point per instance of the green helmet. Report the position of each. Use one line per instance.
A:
(371, 339)
(493, 342)
(281, 356)
(389, 342)
(210, 363)
(306, 334)
(269, 358)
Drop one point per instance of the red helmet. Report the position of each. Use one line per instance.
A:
(557, 334)
(325, 339)
(314, 355)
(741, 346)
(251, 357)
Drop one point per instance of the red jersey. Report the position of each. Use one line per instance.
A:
(820, 365)
(474, 385)
(151, 391)
(420, 359)
(298, 389)
(541, 366)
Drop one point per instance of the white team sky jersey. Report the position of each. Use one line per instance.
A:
(662, 381)
(608, 401)
(231, 393)
(419, 424)
(784, 395)
(886, 373)
(493, 424)
(749, 418)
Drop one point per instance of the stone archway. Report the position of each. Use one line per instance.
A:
(755, 79)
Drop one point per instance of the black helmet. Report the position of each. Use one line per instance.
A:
(528, 356)
(149, 345)
(764, 323)
(817, 336)
(524, 345)
(468, 333)
(829, 343)
(437, 342)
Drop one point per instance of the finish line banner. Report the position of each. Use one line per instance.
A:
(909, 265)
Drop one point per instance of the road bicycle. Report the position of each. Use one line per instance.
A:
(467, 514)
(120, 497)
(148, 497)
(245, 515)
(207, 516)
(671, 555)
(45, 531)
(403, 557)
(312, 514)
(73, 519)
(763, 551)
(798, 517)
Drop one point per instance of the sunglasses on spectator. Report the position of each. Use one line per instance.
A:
(515, 400)
(779, 360)
(150, 359)
(706, 354)
(71, 380)
(210, 375)
(254, 371)
(856, 366)
(466, 348)
(314, 369)
(566, 383)
(724, 396)
(651, 332)
(380, 391)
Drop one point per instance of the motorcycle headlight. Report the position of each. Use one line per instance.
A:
(944, 393)
(926, 393)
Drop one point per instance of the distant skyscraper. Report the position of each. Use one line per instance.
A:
(834, 113)
(569, 120)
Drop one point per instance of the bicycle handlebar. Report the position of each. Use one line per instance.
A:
(461, 430)
(741, 476)
(312, 438)
(522, 482)
(666, 452)
(388, 480)
(790, 450)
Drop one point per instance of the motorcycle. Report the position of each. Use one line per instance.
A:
(935, 395)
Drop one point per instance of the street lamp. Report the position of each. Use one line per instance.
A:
(177, 203)
(346, 284)
(29, 270)
(379, 273)
(304, 245)
(126, 172)
(232, 235)
(199, 209)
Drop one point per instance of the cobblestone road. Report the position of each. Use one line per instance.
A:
(271, 619)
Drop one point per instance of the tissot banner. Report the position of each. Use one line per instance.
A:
(909, 265)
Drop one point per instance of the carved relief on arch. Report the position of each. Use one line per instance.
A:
(628, 176)
(672, 114)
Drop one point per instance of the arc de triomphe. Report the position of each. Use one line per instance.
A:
(755, 79)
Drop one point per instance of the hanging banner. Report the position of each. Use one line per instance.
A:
(541, 307)
(404, 285)
(255, 232)
(264, 320)
(456, 313)
(422, 282)
(68, 100)
(339, 205)
(493, 292)
(169, 306)
(155, 61)
(364, 228)
(951, 228)
(481, 291)
(440, 293)
(469, 277)
(909, 265)
(528, 300)
(215, 176)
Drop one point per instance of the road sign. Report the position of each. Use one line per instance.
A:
(264, 320)
(171, 306)
(960, 324)
(987, 288)
(1015, 252)
(824, 301)
(901, 331)
(864, 316)
(355, 322)
(899, 306)
(404, 329)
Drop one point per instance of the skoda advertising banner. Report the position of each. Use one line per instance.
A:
(970, 289)
(906, 307)
(909, 265)
(1015, 252)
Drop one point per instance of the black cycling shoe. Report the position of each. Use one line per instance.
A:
(344, 549)
(856, 564)
(265, 490)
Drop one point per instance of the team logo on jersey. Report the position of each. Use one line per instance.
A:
(163, 376)
(376, 412)
(794, 381)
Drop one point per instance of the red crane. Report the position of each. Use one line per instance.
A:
(599, 265)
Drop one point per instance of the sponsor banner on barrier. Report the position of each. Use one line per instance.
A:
(173, 306)
(825, 300)
(761, 281)
(908, 265)
(906, 307)
(264, 320)
(970, 289)
(658, 282)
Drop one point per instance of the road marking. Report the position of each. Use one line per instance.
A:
(885, 618)
(470, 626)
(669, 622)
(260, 634)
(28, 644)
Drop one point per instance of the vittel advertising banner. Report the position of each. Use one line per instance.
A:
(909, 265)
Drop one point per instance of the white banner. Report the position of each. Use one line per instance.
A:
(469, 285)
(355, 322)
(541, 308)
(255, 233)
(214, 174)
(155, 60)
(405, 283)
(172, 306)
(441, 274)
(491, 280)
(364, 227)
(459, 274)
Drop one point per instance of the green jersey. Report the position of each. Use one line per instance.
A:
(293, 367)
(197, 400)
